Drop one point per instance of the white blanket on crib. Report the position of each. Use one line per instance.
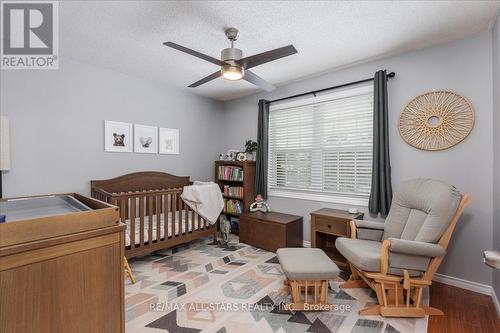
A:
(205, 199)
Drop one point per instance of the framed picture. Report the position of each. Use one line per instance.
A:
(117, 137)
(145, 139)
(169, 141)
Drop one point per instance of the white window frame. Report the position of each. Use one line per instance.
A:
(304, 195)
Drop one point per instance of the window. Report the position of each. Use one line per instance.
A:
(321, 148)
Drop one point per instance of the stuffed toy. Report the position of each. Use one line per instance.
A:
(260, 205)
(225, 230)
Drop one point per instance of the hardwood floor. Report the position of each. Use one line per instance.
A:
(465, 311)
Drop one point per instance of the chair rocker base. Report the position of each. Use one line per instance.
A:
(400, 311)
(354, 283)
(390, 292)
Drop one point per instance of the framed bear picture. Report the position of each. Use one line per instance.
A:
(117, 137)
(145, 139)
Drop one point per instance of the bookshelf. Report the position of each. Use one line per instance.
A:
(237, 183)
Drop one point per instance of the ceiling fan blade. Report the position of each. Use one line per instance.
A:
(194, 53)
(262, 58)
(206, 79)
(258, 81)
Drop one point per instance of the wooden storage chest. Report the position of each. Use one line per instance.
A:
(271, 231)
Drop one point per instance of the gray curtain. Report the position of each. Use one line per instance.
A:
(381, 188)
(262, 145)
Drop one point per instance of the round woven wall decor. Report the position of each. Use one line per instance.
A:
(436, 120)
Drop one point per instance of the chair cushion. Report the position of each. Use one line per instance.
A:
(365, 255)
(307, 264)
(421, 210)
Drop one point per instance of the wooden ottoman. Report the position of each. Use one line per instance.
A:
(307, 270)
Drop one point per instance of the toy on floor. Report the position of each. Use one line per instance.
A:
(260, 205)
(225, 229)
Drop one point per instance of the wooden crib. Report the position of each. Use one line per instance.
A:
(150, 205)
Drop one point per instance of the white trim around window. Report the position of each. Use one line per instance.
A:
(320, 197)
(320, 148)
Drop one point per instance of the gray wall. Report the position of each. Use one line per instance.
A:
(57, 127)
(496, 146)
(57, 132)
(464, 66)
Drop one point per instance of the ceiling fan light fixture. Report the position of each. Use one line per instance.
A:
(233, 66)
(232, 73)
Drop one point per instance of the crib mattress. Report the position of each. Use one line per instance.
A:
(178, 226)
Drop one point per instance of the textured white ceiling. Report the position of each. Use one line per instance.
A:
(127, 35)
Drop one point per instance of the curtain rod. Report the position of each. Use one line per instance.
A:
(314, 92)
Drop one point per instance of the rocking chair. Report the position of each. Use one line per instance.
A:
(399, 258)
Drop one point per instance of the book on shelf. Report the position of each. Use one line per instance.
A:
(232, 206)
(226, 172)
(233, 191)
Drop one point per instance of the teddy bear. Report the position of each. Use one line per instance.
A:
(119, 140)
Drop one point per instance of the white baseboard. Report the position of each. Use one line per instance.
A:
(464, 284)
(306, 244)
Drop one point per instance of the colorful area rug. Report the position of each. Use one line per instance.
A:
(202, 287)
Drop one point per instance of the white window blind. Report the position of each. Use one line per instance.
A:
(321, 148)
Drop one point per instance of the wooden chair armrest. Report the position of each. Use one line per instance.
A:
(384, 256)
(352, 224)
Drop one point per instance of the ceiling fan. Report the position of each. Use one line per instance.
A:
(233, 65)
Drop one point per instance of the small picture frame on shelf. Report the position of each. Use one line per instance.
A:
(145, 139)
(169, 141)
(117, 137)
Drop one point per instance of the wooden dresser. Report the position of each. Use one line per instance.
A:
(61, 271)
(271, 231)
(328, 224)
